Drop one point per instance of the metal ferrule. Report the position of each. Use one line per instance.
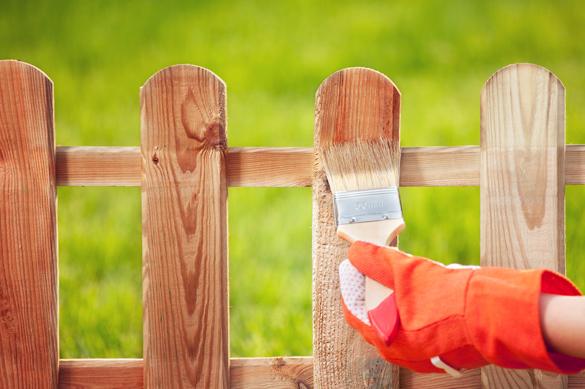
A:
(358, 206)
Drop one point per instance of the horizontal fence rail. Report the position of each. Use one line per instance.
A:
(260, 373)
(288, 166)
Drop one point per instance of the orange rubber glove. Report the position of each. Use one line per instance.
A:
(457, 317)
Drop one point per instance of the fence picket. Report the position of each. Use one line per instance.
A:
(184, 210)
(356, 100)
(29, 302)
(522, 185)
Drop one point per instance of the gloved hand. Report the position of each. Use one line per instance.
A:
(455, 318)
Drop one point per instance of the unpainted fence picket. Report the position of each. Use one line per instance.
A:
(522, 186)
(184, 229)
(29, 302)
(184, 168)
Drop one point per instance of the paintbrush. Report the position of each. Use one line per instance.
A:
(363, 172)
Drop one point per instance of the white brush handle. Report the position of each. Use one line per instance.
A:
(382, 233)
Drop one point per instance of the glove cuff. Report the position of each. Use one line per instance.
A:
(502, 314)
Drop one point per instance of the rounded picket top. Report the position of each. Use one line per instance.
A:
(356, 72)
(23, 82)
(29, 92)
(357, 91)
(189, 98)
(193, 70)
(520, 92)
(17, 66)
(522, 73)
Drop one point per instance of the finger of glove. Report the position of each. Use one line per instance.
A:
(365, 330)
(353, 287)
(389, 266)
(352, 284)
(376, 262)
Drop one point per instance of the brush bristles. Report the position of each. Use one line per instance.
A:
(362, 165)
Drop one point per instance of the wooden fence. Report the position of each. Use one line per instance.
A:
(185, 167)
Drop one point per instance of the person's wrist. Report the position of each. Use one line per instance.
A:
(562, 322)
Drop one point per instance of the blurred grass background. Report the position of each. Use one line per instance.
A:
(273, 55)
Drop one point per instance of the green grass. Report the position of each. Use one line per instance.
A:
(273, 56)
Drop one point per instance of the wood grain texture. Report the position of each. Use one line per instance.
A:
(575, 165)
(252, 373)
(577, 381)
(101, 373)
(288, 166)
(439, 166)
(522, 185)
(411, 380)
(268, 373)
(246, 166)
(184, 224)
(29, 302)
(98, 166)
(270, 166)
(496, 377)
(472, 380)
(363, 101)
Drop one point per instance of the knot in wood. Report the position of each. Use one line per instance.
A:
(279, 362)
(215, 134)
